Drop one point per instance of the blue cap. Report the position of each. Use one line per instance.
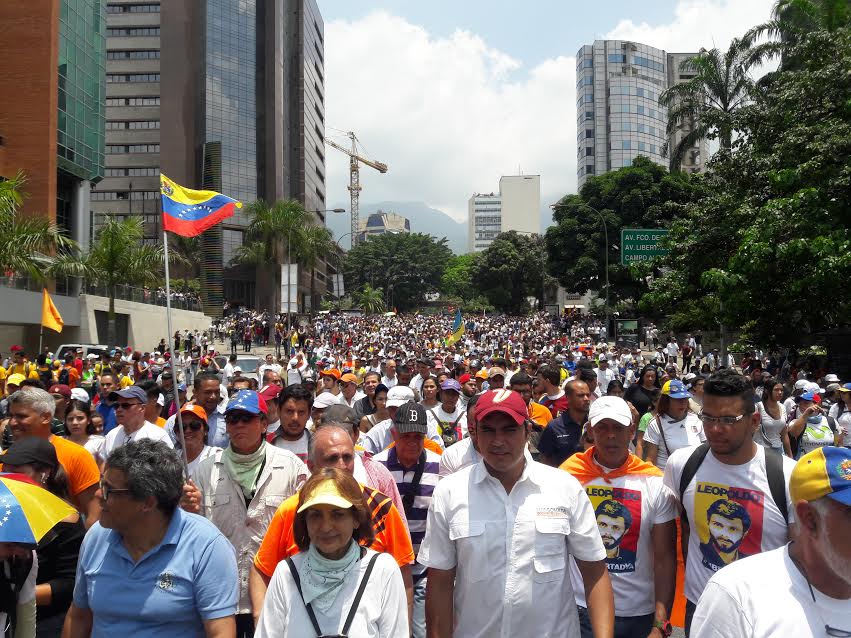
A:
(809, 396)
(130, 392)
(451, 384)
(675, 389)
(247, 401)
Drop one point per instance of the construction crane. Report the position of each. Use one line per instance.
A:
(354, 176)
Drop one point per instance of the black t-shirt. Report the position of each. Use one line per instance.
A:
(640, 397)
(561, 438)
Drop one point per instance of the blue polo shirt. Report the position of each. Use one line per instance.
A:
(107, 413)
(188, 578)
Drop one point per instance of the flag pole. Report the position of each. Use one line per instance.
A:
(178, 417)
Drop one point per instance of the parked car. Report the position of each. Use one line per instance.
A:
(88, 348)
(248, 363)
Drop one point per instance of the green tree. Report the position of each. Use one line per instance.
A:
(406, 265)
(186, 251)
(707, 102)
(274, 232)
(457, 280)
(769, 248)
(511, 270)
(118, 257)
(32, 246)
(316, 242)
(369, 299)
(643, 195)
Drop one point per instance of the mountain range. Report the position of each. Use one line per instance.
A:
(423, 218)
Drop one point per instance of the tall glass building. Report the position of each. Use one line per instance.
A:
(618, 115)
(81, 103)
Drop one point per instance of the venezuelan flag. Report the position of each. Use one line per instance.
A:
(457, 328)
(188, 212)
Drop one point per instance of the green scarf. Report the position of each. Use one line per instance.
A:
(245, 468)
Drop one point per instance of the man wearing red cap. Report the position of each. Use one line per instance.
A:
(500, 531)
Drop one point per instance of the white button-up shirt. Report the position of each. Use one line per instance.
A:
(510, 550)
(223, 503)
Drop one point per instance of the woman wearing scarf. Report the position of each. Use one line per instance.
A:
(636, 517)
(334, 587)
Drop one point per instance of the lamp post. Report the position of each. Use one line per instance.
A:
(606, 237)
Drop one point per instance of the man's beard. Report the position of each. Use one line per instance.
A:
(727, 550)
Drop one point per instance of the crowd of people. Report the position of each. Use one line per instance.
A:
(393, 476)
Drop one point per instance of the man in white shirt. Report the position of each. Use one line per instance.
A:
(423, 372)
(389, 379)
(802, 589)
(672, 350)
(294, 405)
(503, 530)
(734, 499)
(269, 364)
(636, 516)
(605, 374)
(296, 369)
(130, 414)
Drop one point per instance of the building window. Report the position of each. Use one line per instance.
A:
(627, 145)
(150, 171)
(588, 63)
(639, 110)
(133, 55)
(132, 148)
(589, 133)
(617, 58)
(124, 32)
(589, 169)
(642, 146)
(132, 125)
(132, 101)
(589, 151)
(132, 8)
(113, 78)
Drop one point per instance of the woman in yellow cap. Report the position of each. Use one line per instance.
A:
(334, 586)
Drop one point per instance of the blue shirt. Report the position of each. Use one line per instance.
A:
(188, 578)
(107, 413)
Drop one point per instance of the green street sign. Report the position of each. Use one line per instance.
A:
(641, 244)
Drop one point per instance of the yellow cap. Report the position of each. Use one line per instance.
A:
(326, 493)
(482, 374)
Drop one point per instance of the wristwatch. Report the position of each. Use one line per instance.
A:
(664, 627)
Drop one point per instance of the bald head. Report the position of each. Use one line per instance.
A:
(331, 446)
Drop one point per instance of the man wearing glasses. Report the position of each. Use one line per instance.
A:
(729, 466)
(240, 487)
(129, 405)
(803, 588)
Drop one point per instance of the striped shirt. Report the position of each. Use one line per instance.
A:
(416, 511)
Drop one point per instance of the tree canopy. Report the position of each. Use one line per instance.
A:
(405, 266)
(511, 270)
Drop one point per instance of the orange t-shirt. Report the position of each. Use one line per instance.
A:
(73, 377)
(428, 444)
(78, 463)
(540, 414)
(391, 534)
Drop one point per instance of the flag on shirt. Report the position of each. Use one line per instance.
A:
(50, 317)
(188, 212)
(457, 328)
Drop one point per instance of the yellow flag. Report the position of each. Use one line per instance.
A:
(50, 317)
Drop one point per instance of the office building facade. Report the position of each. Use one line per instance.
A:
(618, 114)
(516, 207)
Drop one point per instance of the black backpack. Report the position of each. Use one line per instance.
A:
(64, 376)
(773, 471)
(46, 377)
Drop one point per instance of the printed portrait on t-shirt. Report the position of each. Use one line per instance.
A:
(618, 514)
(729, 523)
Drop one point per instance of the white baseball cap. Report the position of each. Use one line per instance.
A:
(399, 395)
(613, 408)
(325, 400)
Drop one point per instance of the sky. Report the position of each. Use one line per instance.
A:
(452, 94)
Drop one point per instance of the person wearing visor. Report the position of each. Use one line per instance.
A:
(673, 426)
(334, 586)
(812, 428)
(240, 487)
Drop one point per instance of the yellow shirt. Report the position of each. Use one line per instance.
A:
(125, 382)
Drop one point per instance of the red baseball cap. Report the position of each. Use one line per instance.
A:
(508, 402)
(464, 378)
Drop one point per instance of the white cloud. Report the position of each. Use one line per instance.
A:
(448, 115)
(697, 23)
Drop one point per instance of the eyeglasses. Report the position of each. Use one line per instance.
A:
(126, 406)
(239, 417)
(106, 490)
(726, 421)
(195, 426)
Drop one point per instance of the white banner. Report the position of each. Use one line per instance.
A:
(289, 292)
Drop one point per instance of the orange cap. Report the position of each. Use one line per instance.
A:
(331, 372)
(197, 410)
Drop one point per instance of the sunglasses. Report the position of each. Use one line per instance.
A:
(126, 406)
(240, 417)
(195, 426)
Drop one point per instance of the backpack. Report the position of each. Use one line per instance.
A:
(64, 376)
(773, 471)
(449, 433)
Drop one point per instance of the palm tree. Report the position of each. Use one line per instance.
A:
(720, 86)
(316, 241)
(281, 223)
(118, 257)
(185, 251)
(370, 299)
(32, 246)
(791, 21)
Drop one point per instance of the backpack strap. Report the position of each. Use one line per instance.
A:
(777, 482)
(307, 606)
(691, 467)
(831, 422)
(662, 434)
(356, 602)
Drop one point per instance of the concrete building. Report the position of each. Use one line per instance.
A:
(618, 114)
(516, 207)
(244, 112)
(484, 219)
(131, 184)
(380, 223)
